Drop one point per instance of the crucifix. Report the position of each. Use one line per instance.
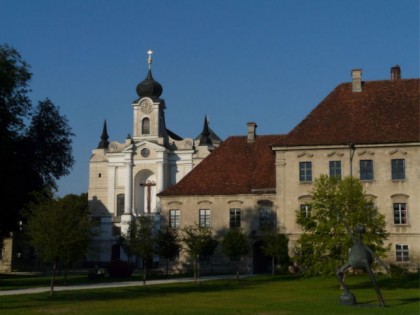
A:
(149, 185)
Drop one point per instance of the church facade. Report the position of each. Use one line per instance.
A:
(125, 177)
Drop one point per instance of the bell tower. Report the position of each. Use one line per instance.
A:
(148, 109)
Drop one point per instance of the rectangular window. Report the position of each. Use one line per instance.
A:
(335, 169)
(305, 210)
(305, 171)
(174, 219)
(204, 217)
(400, 213)
(401, 252)
(366, 170)
(266, 218)
(398, 169)
(120, 204)
(235, 218)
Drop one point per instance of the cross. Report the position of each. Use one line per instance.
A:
(149, 185)
(149, 60)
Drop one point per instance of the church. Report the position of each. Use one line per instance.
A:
(125, 177)
(366, 129)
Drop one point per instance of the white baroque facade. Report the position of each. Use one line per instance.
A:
(125, 177)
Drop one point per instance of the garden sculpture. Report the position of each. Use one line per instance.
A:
(360, 257)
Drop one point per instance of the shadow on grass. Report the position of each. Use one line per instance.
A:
(388, 283)
(40, 300)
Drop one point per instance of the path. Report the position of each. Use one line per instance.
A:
(108, 285)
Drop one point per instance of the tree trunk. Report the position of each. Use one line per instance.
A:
(144, 271)
(66, 271)
(272, 265)
(237, 270)
(198, 271)
(53, 278)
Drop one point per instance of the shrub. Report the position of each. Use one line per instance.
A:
(120, 269)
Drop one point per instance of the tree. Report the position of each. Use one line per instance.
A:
(336, 207)
(276, 246)
(235, 245)
(168, 245)
(15, 107)
(77, 214)
(140, 241)
(50, 144)
(59, 230)
(35, 144)
(199, 243)
(127, 241)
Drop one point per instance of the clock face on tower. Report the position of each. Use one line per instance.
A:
(146, 106)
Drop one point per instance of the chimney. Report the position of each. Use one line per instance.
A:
(395, 73)
(251, 131)
(356, 78)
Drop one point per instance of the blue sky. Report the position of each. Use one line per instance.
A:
(267, 61)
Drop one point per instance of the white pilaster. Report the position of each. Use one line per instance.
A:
(128, 202)
(160, 177)
(127, 217)
(111, 189)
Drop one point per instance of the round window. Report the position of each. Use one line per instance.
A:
(145, 152)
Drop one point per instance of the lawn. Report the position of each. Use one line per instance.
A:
(264, 295)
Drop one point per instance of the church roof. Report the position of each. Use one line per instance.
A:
(235, 167)
(383, 112)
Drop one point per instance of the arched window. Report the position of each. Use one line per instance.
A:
(145, 126)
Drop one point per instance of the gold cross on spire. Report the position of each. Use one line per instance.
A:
(149, 60)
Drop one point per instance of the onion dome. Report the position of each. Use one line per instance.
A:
(149, 87)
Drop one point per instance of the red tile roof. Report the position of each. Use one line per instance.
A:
(235, 167)
(384, 112)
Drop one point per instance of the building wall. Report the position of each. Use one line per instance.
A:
(6, 255)
(219, 207)
(382, 189)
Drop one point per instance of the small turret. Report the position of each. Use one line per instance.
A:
(205, 134)
(103, 144)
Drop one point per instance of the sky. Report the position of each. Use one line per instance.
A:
(267, 61)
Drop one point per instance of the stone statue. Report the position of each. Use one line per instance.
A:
(360, 257)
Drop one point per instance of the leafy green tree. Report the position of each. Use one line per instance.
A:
(140, 241)
(168, 245)
(50, 144)
(276, 246)
(35, 143)
(127, 241)
(235, 245)
(59, 230)
(199, 242)
(336, 207)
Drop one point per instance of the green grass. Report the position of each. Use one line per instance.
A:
(263, 295)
